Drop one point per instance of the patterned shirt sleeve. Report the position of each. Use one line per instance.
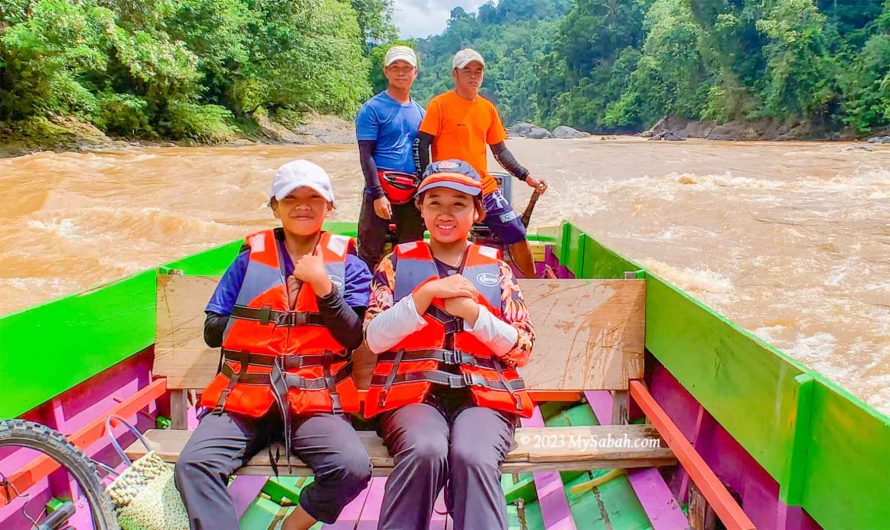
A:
(515, 312)
(382, 285)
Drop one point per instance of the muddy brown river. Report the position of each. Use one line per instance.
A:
(790, 240)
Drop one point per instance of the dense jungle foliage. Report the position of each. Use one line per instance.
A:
(606, 65)
(200, 69)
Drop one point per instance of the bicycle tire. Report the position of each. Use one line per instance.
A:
(23, 433)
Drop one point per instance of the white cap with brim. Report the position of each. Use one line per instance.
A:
(400, 53)
(465, 57)
(301, 173)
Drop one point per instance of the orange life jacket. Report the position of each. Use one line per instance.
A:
(405, 374)
(272, 353)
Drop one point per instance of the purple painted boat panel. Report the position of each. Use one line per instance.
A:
(352, 513)
(13, 514)
(244, 490)
(440, 516)
(552, 499)
(658, 501)
(371, 512)
(744, 477)
(600, 402)
(67, 413)
(82, 404)
(551, 260)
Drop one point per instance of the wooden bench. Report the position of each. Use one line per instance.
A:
(589, 337)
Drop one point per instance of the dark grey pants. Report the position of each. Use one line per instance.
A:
(434, 448)
(372, 229)
(222, 443)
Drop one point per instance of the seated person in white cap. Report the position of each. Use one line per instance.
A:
(287, 313)
(459, 124)
(386, 127)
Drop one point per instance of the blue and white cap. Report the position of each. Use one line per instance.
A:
(452, 174)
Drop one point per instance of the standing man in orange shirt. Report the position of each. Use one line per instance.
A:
(460, 124)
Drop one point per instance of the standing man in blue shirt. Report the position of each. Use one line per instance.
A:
(386, 127)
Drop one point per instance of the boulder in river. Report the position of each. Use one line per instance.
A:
(564, 132)
(539, 133)
(521, 129)
(668, 136)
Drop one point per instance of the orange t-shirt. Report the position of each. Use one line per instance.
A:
(463, 129)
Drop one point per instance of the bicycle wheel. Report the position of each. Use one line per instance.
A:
(22, 433)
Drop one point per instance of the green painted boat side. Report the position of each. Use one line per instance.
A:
(50, 348)
(829, 451)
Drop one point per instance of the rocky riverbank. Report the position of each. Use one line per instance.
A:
(65, 133)
(679, 129)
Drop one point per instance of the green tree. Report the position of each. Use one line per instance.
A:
(801, 74)
(670, 76)
(305, 55)
(50, 58)
(215, 31)
(867, 89)
(596, 50)
(374, 19)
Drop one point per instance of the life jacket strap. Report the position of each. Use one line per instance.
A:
(449, 357)
(516, 400)
(281, 319)
(233, 380)
(291, 362)
(390, 378)
(455, 381)
(281, 381)
(451, 323)
(332, 381)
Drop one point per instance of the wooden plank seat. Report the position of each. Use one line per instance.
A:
(589, 337)
(567, 448)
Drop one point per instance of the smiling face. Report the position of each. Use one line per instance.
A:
(302, 211)
(400, 75)
(468, 79)
(448, 214)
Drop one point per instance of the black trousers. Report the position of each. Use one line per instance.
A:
(224, 442)
(372, 229)
(439, 444)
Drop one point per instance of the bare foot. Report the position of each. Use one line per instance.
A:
(298, 520)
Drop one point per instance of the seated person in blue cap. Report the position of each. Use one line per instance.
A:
(449, 327)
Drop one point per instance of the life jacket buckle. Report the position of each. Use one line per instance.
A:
(464, 380)
(450, 357)
(455, 325)
(284, 319)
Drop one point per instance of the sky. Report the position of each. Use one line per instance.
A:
(422, 18)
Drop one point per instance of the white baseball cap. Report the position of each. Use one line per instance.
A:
(301, 173)
(400, 53)
(465, 57)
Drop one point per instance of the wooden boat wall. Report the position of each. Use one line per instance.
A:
(793, 448)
